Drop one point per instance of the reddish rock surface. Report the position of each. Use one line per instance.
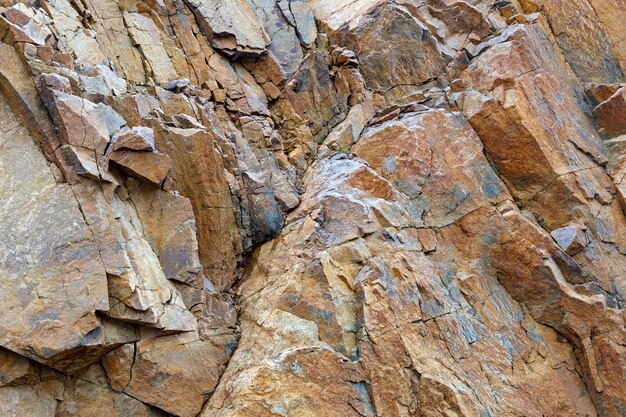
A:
(369, 208)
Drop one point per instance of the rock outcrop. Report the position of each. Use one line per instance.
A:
(369, 208)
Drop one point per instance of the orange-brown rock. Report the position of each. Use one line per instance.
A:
(51, 264)
(593, 53)
(173, 373)
(610, 113)
(302, 208)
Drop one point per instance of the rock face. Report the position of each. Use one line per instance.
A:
(370, 208)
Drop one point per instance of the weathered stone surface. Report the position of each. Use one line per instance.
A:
(380, 295)
(611, 13)
(417, 155)
(80, 122)
(300, 14)
(308, 108)
(168, 223)
(90, 395)
(73, 38)
(51, 265)
(553, 167)
(611, 113)
(198, 173)
(421, 58)
(312, 207)
(284, 51)
(27, 401)
(16, 369)
(147, 36)
(232, 27)
(617, 167)
(174, 373)
(591, 53)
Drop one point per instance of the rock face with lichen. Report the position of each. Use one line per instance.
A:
(368, 208)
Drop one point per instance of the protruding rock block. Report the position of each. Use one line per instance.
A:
(173, 373)
(232, 27)
(51, 266)
(570, 238)
(611, 114)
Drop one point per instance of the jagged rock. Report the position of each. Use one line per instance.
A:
(599, 93)
(57, 322)
(24, 25)
(265, 216)
(90, 395)
(198, 173)
(300, 15)
(284, 51)
(591, 53)
(459, 24)
(82, 162)
(312, 207)
(617, 167)
(415, 155)
(611, 113)
(81, 123)
(310, 95)
(571, 238)
(21, 93)
(113, 39)
(73, 38)
(421, 59)
(27, 401)
(233, 28)
(168, 223)
(147, 36)
(152, 167)
(173, 373)
(554, 168)
(346, 133)
(611, 14)
(16, 369)
(139, 138)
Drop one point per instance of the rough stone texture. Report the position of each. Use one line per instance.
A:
(610, 114)
(299, 208)
(53, 279)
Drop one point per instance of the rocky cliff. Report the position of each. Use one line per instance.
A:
(257, 208)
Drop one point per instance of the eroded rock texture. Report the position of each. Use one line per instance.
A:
(369, 208)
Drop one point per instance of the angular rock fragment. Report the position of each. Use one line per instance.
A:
(571, 238)
(139, 138)
(24, 24)
(80, 162)
(152, 167)
(80, 122)
(173, 373)
(168, 223)
(232, 27)
(611, 113)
